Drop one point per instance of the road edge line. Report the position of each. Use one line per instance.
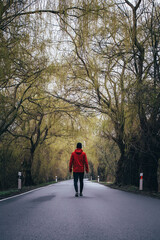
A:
(21, 194)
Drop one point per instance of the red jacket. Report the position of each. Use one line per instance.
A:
(78, 160)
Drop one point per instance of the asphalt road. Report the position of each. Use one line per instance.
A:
(53, 213)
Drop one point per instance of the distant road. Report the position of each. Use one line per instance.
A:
(53, 213)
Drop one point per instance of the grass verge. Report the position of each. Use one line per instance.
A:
(133, 189)
(13, 192)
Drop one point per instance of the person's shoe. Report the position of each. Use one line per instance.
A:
(76, 195)
(81, 194)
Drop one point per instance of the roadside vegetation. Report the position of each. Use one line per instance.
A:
(132, 189)
(14, 191)
(80, 71)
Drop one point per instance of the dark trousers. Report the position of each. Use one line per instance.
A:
(78, 175)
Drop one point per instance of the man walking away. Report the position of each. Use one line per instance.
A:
(78, 160)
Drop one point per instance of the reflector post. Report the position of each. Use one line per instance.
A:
(141, 182)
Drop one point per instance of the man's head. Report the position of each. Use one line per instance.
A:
(79, 145)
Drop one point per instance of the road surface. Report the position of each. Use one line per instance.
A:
(53, 213)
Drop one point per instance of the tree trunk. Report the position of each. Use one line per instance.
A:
(128, 169)
(28, 178)
(149, 168)
(28, 181)
(139, 159)
(158, 173)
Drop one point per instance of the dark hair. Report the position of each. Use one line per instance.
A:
(79, 145)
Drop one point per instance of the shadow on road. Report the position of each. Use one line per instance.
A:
(84, 197)
(44, 198)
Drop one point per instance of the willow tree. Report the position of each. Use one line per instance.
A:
(144, 66)
(23, 52)
(25, 112)
(96, 70)
(113, 62)
(20, 64)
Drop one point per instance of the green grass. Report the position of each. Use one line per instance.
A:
(6, 192)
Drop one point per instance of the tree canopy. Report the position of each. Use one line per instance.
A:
(64, 62)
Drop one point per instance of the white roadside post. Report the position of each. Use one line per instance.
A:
(141, 182)
(19, 181)
(91, 178)
(98, 178)
(56, 179)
